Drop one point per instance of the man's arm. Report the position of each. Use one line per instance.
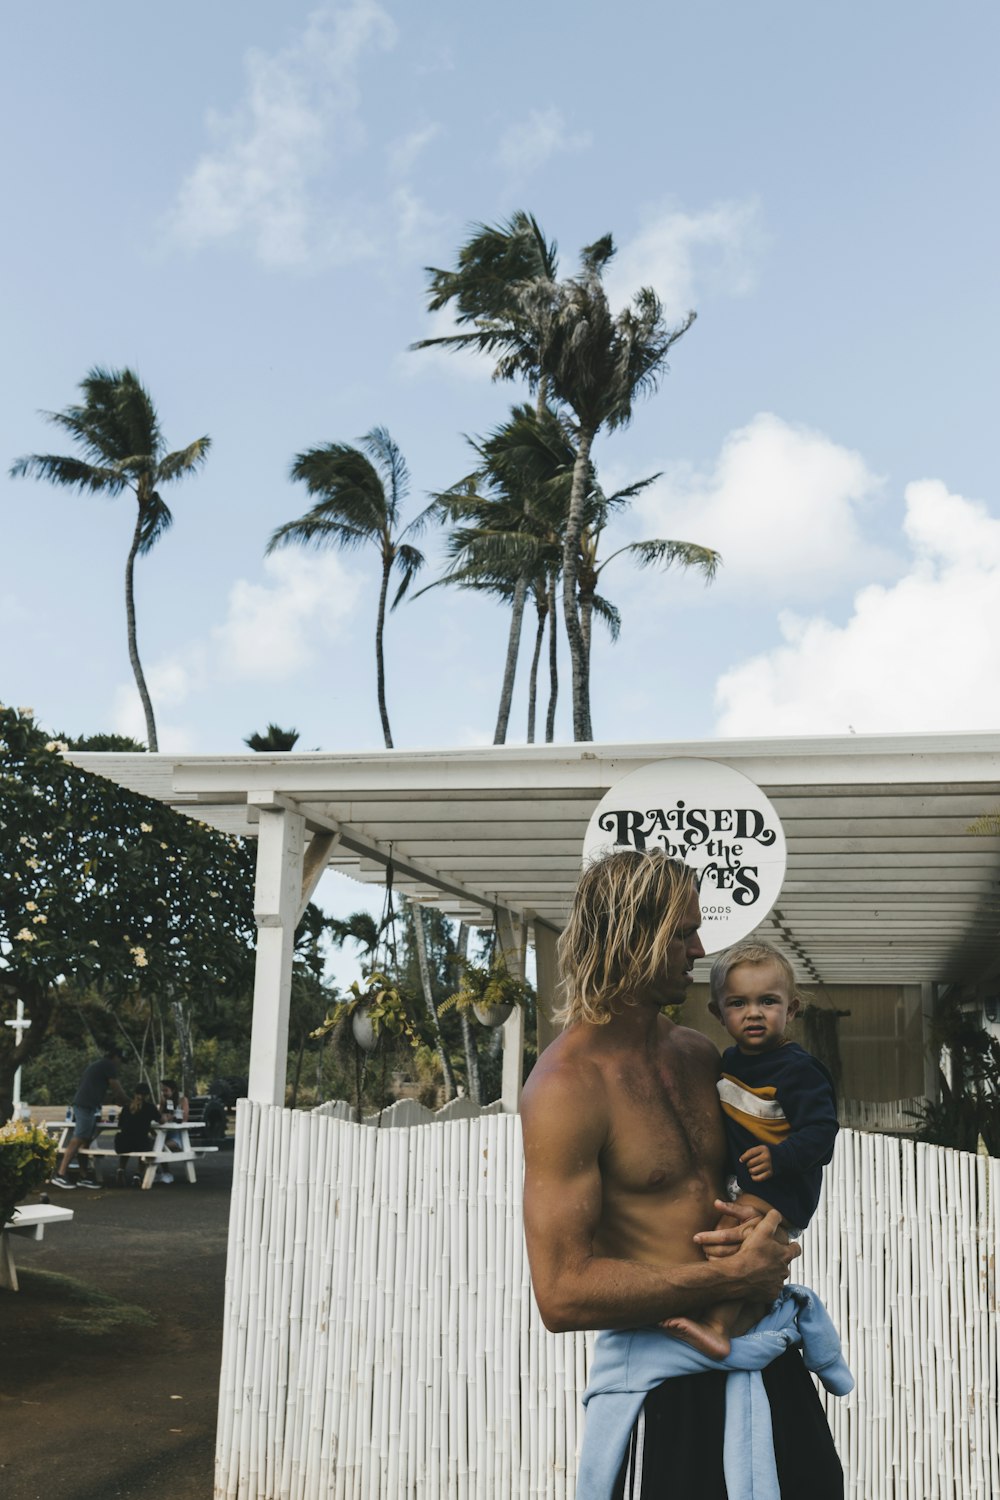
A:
(565, 1126)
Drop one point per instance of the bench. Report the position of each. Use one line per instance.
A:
(153, 1159)
(29, 1220)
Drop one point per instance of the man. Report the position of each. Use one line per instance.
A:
(97, 1078)
(625, 1155)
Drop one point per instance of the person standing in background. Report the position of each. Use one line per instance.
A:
(97, 1078)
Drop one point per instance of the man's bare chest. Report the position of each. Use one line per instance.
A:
(666, 1130)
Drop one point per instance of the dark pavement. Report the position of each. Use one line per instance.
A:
(116, 1399)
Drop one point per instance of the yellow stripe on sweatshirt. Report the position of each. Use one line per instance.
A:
(757, 1110)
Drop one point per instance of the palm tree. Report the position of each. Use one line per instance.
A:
(118, 432)
(359, 492)
(274, 738)
(506, 523)
(562, 337)
(597, 364)
(516, 529)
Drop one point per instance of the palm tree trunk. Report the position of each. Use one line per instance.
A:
(586, 617)
(571, 612)
(510, 666)
(420, 943)
(550, 717)
(133, 649)
(468, 1031)
(379, 659)
(542, 605)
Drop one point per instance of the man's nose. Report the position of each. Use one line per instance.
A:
(695, 947)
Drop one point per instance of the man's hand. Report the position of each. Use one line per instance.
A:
(760, 1261)
(758, 1163)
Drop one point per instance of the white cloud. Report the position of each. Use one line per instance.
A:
(919, 655)
(273, 631)
(528, 145)
(680, 255)
(782, 503)
(403, 154)
(299, 113)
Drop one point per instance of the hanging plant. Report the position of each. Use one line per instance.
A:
(375, 1007)
(489, 991)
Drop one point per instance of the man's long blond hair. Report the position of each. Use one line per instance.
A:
(627, 907)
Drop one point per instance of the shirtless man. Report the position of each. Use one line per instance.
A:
(625, 1152)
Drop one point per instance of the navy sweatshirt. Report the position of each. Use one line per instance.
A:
(783, 1099)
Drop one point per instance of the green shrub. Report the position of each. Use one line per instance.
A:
(27, 1159)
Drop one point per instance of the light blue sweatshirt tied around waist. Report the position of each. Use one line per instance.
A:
(628, 1363)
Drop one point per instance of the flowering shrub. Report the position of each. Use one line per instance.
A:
(27, 1159)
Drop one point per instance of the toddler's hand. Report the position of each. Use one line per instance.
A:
(758, 1163)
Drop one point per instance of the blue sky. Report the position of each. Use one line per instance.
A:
(238, 199)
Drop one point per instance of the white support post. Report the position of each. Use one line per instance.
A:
(277, 896)
(546, 978)
(512, 940)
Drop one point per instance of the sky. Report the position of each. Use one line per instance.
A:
(238, 201)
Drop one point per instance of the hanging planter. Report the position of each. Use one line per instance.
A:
(363, 1029)
(489, 991)
(374, 1007)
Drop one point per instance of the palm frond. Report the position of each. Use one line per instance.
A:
(662, 553)
(318, 528)
(410, 561)
(155, 519)
(389, 461)
(608, 613)
(183, 461)
(75, 473)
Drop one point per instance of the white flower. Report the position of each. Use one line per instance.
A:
(31, 906)
(139, 954)
(26, 713)
(146, 827)
(24, 936)
(93, 943)
(33, 864)
(40, 917)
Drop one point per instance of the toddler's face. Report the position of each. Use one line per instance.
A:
(756, 1005)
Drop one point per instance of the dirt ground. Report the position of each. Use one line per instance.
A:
(110, 1351)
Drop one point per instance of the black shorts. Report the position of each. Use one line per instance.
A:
(676, 1446)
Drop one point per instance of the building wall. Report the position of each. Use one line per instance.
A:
(881, 1045)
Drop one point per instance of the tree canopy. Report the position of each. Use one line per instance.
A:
(106, 891)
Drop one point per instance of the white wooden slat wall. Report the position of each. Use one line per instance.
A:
(381, 1340)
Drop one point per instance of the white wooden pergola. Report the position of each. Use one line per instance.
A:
(885, 881)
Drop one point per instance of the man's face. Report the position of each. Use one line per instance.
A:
(755, 1006)
(682, 950)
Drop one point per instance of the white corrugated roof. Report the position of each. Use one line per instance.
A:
(885, 884)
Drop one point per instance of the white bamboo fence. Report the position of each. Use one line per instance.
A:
(381, 1340)
(897, 1114)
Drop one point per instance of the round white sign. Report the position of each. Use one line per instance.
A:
(716, 820)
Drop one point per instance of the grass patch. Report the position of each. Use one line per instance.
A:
(87, 1310)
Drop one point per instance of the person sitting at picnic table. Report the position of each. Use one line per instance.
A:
(173, 1106)
(97, 1078)
(135, 1128)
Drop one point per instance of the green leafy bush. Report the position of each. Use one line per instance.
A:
(27, 1159)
